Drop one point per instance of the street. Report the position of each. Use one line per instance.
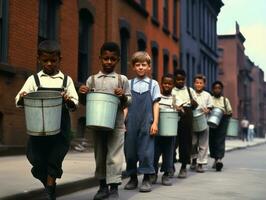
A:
(243, 177)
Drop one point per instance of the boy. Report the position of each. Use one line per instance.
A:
(108, 145)
(185, 105)
(200, 140)
(217, 135)
(142, 124)
(165, 145)
(46, 153)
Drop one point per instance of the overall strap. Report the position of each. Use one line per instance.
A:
(65, 81)
(132, 83)
(150, 84)
(92, 82)
(189, 93)
(37, 80)
(120, 84)
(225, 107)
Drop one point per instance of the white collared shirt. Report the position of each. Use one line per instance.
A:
(219, 103)
(182, 96)
(142, 85)
(204, 99)
(47, 81)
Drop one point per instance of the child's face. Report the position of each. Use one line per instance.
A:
(49, 62)
(141, 69)
(108, 60)
(217, 89)
(199, 85)
(180, 81)
(167, 85)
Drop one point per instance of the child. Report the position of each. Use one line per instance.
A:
(108, 145)
(142, 124)
(200, 140)
(165, 145)
(217, 135)
(185, 105)
(46, 153)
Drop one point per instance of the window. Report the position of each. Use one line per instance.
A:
(188, 69)
(141, 41)
(85, 43)
(165, 14)
(165, 61)
(193, 17)
(155, 51)
(48, 19)
(188, 15)
(124, 40)
(194, 70)
(175, 63)
(124, 43)
(175, 18)
(155, 9)
(3, 30)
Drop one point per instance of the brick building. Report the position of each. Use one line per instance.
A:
(81, 26)
(243, 80)
(198, 38)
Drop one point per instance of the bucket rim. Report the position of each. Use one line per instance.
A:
(46, 91)
(92, 92)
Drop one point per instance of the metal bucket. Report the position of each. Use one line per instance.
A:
(232, 127)
(168, 122)
(215, 117)
(199, 121)
(101, 110)
(43, 110)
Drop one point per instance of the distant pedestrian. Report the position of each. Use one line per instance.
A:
(251, 132)
(217, 135)
(244, 128)
(46, 153)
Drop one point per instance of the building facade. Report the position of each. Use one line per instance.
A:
(198, 38)
(243, 80)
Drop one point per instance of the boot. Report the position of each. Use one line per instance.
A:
(166, 180)
(132, 183)
(153, 178)
(146, 184)
(193, 164)
(103, 191)
(50, 191)
(113, 194)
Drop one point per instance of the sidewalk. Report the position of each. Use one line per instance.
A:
(18, 183)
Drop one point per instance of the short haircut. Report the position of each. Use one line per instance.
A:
(180, 72)
(140, 56)
(200, 76)
(49, 46)
(168, 76)
(110, 46)
(217, 83)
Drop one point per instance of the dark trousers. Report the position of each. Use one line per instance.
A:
(184, 136)
(46, 155)
(164, 146)
(217, 140)
(244, 134)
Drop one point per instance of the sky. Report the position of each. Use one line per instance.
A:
(251, 17)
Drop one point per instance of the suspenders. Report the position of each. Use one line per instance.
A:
(37, 81)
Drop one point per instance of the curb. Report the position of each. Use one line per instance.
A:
(71, 187)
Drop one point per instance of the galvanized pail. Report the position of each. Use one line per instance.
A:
(232, 127)
(43, 110)
(215, 117)
(101, 110)
(168, 122)
(199, 121)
